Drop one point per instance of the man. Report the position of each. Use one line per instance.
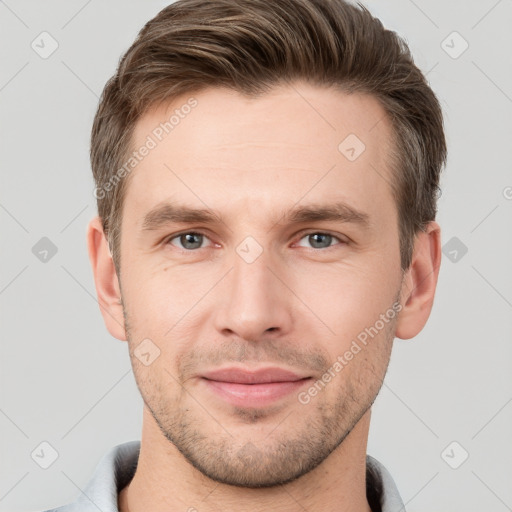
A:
(266, 175)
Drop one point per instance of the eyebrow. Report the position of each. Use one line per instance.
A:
(168, 213)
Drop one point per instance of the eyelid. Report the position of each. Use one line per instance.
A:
(338, 237)
(167, 239)
(341, 238)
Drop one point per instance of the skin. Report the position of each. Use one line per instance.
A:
(297, 306)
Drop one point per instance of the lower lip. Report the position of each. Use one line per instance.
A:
(254, 395)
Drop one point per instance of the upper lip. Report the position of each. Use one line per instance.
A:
(246, 376)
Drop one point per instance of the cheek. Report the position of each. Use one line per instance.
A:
(167, 311)
(348, 299)
(157, 300)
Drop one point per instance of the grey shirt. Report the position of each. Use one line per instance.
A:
(117, 467)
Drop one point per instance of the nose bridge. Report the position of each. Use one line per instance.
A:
(256, 299)
(251, 275)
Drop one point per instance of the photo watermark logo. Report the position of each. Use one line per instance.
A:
(305, 397)
(152, 140)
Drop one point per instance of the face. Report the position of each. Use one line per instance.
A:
(260, 330)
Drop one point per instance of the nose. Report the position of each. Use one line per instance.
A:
(254, 301)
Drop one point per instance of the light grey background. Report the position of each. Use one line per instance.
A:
(66, 381)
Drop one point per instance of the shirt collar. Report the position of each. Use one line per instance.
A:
(117, 467)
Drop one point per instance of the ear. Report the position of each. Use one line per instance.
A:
(105, 279)
(419, 284)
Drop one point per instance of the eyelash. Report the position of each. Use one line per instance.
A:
(167, 241)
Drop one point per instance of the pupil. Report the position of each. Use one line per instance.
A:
(315, 237)
(189, 239)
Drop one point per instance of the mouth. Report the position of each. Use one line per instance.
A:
(246, 388)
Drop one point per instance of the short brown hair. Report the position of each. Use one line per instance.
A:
(252, 45)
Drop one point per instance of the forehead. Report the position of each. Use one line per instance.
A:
(220, 149)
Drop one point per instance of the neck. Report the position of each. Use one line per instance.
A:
(165, 480)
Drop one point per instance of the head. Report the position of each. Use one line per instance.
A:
(314, 145)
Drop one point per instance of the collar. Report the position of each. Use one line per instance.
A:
(117, 467)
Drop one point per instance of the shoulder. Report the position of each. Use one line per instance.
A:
(381, 488)
(113, 472)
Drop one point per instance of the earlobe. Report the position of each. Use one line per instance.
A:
(105, 279)
(420, 281)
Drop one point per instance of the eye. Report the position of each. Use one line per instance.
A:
(320, 240)
(189, 241)
(192, 240)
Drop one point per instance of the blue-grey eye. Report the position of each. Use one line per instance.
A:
(189, 241)
(320, 240)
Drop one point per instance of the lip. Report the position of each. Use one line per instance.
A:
(246, 376)
(253, 388)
